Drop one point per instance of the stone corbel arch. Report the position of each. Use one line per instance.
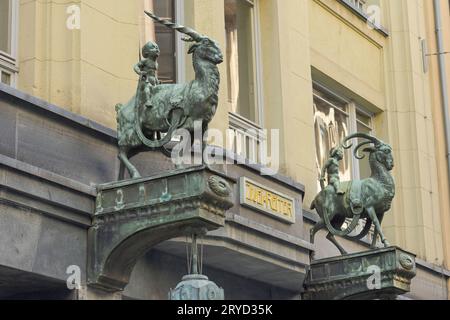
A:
(132, 217)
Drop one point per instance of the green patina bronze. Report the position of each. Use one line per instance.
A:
(134, 215)
(366, 199)
(376, 274)
(149, 120)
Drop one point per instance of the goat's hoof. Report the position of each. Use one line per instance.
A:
(136, 176)
(386, 244)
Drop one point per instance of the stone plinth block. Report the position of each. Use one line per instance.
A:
(375, 274)
(133, 216)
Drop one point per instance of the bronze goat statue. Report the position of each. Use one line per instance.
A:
(366, 199)
(149, 124)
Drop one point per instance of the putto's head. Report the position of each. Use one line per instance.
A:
(150, 50)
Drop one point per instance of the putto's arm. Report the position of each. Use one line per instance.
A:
(137, 68)
(324, 169)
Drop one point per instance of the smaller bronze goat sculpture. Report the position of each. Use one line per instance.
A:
(148, 122)
(366, 199)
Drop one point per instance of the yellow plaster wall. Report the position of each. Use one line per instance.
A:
(443, 191)
(46, 69)
(86, 71)
(296, 94)
(414, 222)
(346, 50)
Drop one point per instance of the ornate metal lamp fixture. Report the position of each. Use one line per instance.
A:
(195, 285)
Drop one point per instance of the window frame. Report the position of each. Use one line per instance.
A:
(351, 111)
(9, 61)
(362, 14)
(180, 45)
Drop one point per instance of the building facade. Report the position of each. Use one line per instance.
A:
(315, 70)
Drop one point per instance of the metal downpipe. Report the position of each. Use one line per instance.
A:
(443, 78)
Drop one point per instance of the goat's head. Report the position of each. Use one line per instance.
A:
(203, 48)
(206, 49)
(380, 151)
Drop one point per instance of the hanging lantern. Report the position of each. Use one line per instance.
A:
(196, 286)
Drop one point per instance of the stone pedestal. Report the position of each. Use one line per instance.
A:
(133, 216)
(375, 274)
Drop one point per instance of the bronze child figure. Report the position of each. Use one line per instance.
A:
(147, 70)
(149, 120)
(331, 168)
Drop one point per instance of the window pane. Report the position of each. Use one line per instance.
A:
(240, 58)
(6, 78)
(164, 8)
(364, 125)
(166, 41)
(334, 101)
(365, 119)
(5, 26)
(331, 127)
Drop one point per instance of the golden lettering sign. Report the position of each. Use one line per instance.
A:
(261, 198)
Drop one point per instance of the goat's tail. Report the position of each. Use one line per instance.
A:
(313, 205)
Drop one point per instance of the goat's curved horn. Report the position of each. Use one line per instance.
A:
(372, 139)
(169, 24)
(356, 151)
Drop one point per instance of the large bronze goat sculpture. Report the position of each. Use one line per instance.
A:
(150, 125)
(366, 199)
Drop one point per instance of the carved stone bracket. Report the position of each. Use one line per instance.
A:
(133, 216)
(375, 274)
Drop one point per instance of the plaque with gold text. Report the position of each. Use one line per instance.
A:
(263, 199)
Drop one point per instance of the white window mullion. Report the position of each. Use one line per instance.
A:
(259, 64)
(353, 129)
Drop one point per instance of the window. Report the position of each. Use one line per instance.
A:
(8, 41)
(163, 36)
(244, 76)
(334, 119)
(240, 27)
(6, 77)
(358, 4)
(247, 138)
(5, 26)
